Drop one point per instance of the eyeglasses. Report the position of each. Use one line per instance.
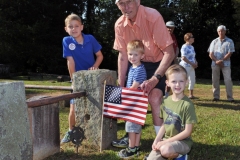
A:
(191, 37)
(124, 4)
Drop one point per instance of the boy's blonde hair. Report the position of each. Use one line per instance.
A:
(135, 45)
(72, 17)
(176, 69)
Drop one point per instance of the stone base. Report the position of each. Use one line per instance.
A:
(99, 131)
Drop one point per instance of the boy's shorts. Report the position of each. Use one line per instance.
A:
(72, 101)
(150, 69)
(133, 127)
(179, 147)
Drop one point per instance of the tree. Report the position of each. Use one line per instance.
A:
(31, 31)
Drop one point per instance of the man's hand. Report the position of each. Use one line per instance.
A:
(220, 63)
(149, 84)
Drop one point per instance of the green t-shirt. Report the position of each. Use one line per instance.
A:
(176, 115)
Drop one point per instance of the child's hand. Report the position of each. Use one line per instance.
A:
(154, 146)
(160, 144)
(92, 68)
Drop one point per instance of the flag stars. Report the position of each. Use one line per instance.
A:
(113, 94)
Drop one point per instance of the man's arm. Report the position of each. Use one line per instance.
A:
(99, 59)
(166, 61)
(168, 57)
(71, 66)
(122, 68)
(217, 61)
(227, 56)
(211, 55)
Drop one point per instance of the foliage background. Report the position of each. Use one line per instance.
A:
(31, 31)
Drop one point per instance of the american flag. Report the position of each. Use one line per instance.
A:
(126, 104)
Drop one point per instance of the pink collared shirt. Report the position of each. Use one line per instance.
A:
(149, 27)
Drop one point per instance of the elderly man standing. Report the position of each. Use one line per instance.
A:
(171, 26)
(220, 51)
(146, 24)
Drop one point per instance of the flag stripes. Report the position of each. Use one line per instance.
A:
(126, 104)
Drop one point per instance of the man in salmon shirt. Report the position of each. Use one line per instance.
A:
(146, 24)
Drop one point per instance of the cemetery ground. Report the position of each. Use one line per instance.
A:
(216, 135)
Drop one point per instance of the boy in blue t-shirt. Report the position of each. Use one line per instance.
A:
(136, 75)
(79, 50)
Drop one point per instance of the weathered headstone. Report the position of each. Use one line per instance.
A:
(15, 136)
(44, 124)
(99, 132)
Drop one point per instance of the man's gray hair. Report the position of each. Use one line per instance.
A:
(221, 27)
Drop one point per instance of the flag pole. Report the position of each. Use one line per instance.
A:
(101, 145)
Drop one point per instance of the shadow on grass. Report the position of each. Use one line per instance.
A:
(214, 152)
(109, 154)
(198, 152)
(149, 112)
(209, 82)
(224, 104)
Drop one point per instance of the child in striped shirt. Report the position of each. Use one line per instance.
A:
(136, 75)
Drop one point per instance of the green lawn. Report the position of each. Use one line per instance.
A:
(216, 135)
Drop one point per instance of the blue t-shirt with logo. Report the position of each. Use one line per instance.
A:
(83, 54)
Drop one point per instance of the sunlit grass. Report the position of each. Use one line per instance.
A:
(216, 135)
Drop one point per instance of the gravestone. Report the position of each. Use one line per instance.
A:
(15, 136)
(44, 125)
(99, 131)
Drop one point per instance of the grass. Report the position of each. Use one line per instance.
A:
(37, 80)
(216, 135)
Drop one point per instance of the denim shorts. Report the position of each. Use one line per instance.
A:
(133, 127)
(72, 101)
(150, 69)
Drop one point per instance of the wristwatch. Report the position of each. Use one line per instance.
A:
(158, 76)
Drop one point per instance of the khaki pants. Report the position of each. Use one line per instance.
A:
(216, 81)
(179, 147)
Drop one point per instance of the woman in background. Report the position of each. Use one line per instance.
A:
(189, 62)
